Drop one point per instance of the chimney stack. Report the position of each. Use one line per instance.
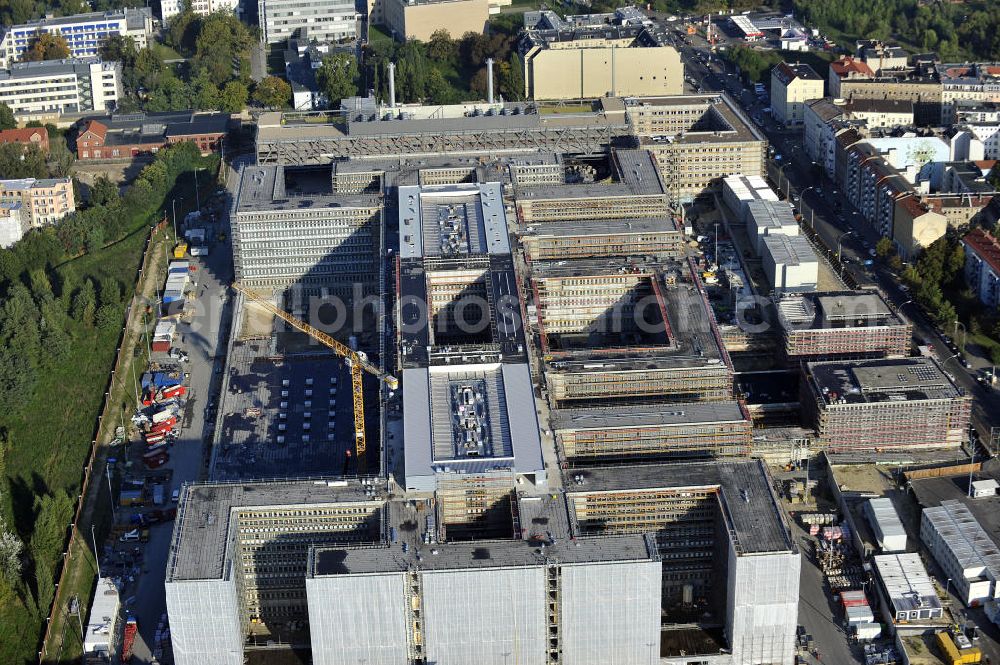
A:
(392, 85)
(489, 78)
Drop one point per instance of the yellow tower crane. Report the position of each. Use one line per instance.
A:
(356, 360)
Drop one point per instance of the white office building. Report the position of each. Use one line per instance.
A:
(332, 21)
(83, 33)
(171, 8)
(45, 90)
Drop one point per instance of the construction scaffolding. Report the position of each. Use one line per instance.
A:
(630, 435)
(477, 508)
(882, 406)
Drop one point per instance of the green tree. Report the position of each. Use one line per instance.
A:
(85, 304)
(233, 97)
(7, 120)
(222, 48)
(104, 192)
(883, 247)
(18, 161)
(46, 46)
(512, 78)
(442, 48)
(338, 76)
(205, 94)
(272, 92)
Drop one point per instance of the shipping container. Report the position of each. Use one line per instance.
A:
(130, 498)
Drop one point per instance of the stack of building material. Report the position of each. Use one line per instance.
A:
(173, 291)
(886, 525)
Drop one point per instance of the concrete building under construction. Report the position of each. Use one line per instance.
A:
(722, 539)
(883, 406)
(840, 325)
(632, 332)
(290, 228)
(641, 434)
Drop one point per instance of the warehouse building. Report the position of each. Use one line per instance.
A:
(906, 589)
(963, 549)
(626, 333)
(879, 406)
(790, 263)
(635, 434)
(600, 61)
(697, 140)
(722, 539)
(290, 228)
(840, 325)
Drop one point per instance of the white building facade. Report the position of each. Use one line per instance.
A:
(45, 90)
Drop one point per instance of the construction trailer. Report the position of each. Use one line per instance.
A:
(909, 594)
(886, 525)
(871, 407)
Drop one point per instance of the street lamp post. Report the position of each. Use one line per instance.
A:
(947, 586)
(717, 262)
(964, 334)
(840, 246)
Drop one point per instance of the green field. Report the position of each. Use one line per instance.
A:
(50, 434)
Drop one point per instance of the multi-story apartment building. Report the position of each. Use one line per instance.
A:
(920, 85)
(589, 62)
(334, 21)
(697, 140)
(170, 8)
(791, 86)
(83, 33)
(846, 68)
(982, 266)
(968, 82)
(45, 90)
(44, 201)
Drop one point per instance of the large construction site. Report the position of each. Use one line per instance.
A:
(478, 435)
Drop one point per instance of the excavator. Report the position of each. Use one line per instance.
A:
(357, 361)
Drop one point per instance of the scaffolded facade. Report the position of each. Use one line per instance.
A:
(882, 406)
(630, 435)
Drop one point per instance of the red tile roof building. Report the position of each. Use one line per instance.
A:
(36, 136)
(982, 266)
(127, 137)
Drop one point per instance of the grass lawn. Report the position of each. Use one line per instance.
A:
(377, 34)
(164, 52)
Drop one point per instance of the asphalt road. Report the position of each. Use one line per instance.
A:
(204, 339)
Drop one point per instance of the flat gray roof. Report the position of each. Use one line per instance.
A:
(906, 379)
(434, 420)
(452, 220)
(789, 250)
(262, 188)
(836, 309)
(667, 415)
(551, 542)
(600, 227)
(748, 503)
(201, 531)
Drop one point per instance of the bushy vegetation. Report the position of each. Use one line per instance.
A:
(216, 77)
(445, 70)
(63, 291)
(953, 30)
(756, 64)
